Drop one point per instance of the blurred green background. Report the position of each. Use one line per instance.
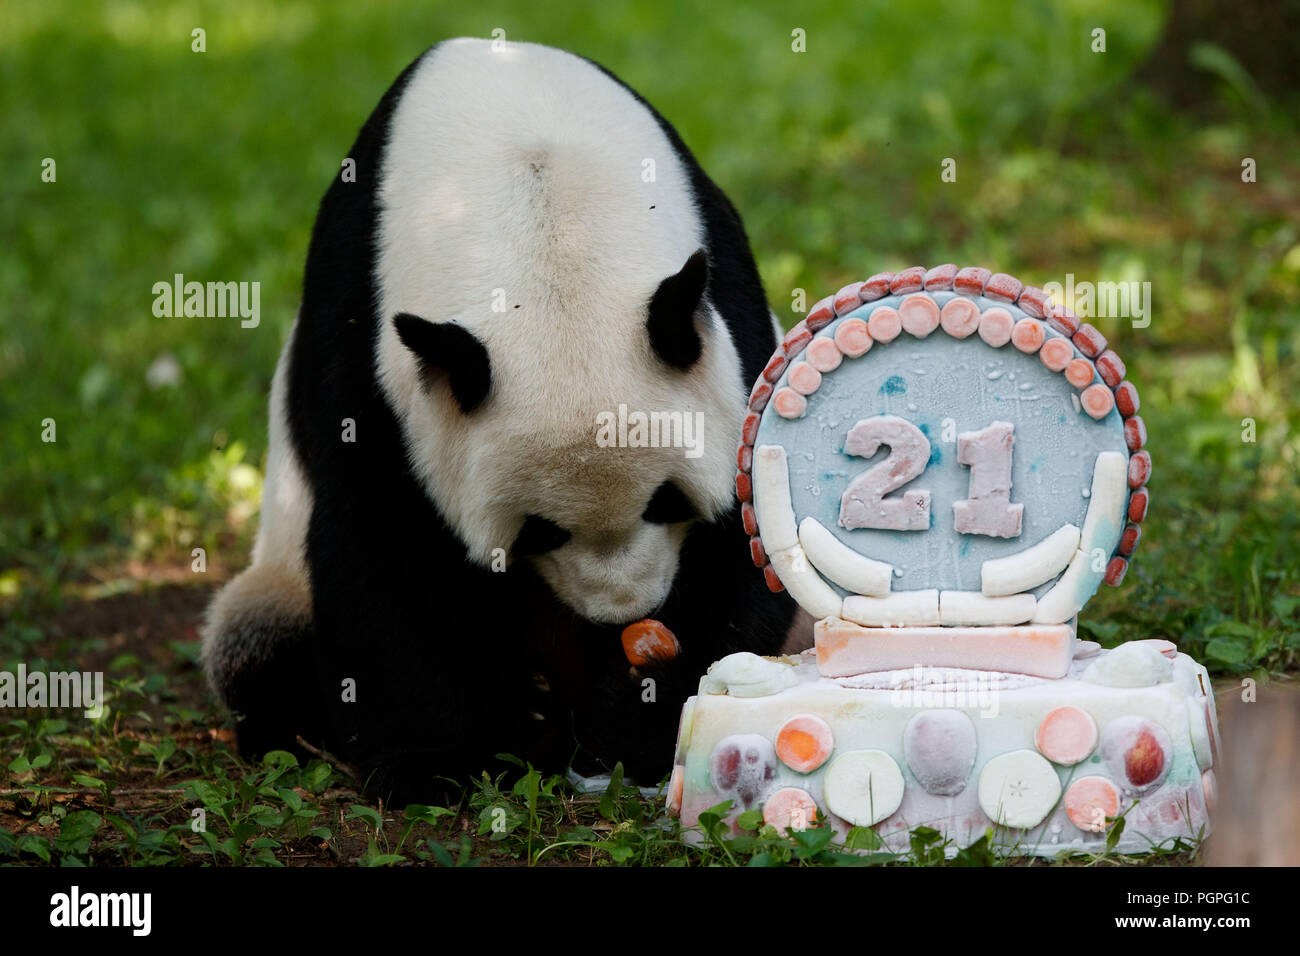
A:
(1122, 165)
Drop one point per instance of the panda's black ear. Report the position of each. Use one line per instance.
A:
(671, 323)
(445, 349)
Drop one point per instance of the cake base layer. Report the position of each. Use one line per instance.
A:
(1047, 764)
(844, 648)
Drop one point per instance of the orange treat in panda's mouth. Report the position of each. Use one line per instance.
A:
(648, 641)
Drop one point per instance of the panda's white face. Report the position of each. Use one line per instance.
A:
(615, 580)
(602, 526)
(532, 473)
(533, 279)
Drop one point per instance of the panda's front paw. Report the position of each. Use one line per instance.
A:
(631, 717)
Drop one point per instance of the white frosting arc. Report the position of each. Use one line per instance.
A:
(1106, 503)
(1071, 592)
(1031, 567)
(772, 505)
(850, 570)
(804, 583)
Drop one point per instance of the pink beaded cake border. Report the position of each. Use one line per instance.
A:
(973, 281)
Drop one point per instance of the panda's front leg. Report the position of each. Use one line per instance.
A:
(416, 702)
(410, 709)
(632, 717)
(718, 605)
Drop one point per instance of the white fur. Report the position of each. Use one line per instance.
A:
(286, 498)
(521, 170)
(275, 587)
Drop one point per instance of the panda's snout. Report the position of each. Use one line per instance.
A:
(628, 597)
(627, 601)
(622, 606)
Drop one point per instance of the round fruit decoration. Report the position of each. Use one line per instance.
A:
(943, 447)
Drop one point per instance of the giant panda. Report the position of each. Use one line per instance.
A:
(447, 554)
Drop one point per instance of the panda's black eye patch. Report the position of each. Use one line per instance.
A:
(669, 505)
(539, 535)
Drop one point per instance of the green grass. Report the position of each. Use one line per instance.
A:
(212, 164)
(187, 805)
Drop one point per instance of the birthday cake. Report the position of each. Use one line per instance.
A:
(942, 467)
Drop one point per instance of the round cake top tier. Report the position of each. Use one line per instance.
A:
(943, 447)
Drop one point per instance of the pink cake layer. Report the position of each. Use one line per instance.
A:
(844, 648)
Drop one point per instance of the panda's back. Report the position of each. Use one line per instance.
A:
(531, 171)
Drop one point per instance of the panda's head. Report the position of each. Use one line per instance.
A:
(540, 298)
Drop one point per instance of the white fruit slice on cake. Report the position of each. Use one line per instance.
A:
(863, 786)
(1018, 789)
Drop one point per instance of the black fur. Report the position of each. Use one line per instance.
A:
(539, 535)
(429, 704)
(668, 505)
(671, 321)
(266, 675)
(447, 350)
